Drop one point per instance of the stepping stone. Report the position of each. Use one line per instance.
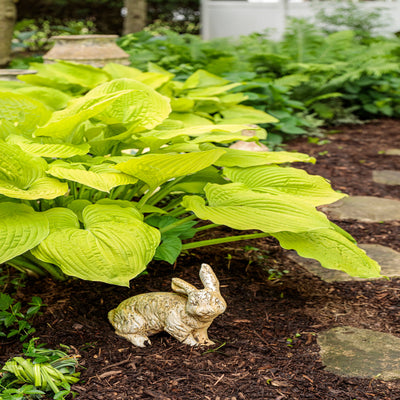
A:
(364, 209)
(363, 353)
(393, 152)
(387, 258)
(386, 177)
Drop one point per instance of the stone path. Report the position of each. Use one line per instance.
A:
(349, 351)
(364, 209)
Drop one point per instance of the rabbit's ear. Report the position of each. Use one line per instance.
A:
(208, 278)
(180, 286)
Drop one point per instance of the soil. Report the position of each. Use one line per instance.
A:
(266, 344)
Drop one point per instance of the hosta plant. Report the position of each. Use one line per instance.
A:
(100, 187)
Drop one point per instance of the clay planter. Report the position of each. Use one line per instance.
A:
(96, 50)
(12, 74)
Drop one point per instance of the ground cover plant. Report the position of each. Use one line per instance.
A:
(309, 78)
(37, 372)
(105, 173)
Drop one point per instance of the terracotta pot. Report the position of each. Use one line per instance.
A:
(12, 74)
(96, 50)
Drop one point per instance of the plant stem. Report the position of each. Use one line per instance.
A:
(202, 243)
(177, 223)
(53, 270)
(178, 211)
(156, 197)
(172, 204)
(26, 266)
(144, 198)
(209, 226)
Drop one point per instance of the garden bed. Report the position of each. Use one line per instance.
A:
(266, 340)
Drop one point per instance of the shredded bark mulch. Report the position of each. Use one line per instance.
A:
(266, 340)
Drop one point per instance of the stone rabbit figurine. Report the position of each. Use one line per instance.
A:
(185, 314)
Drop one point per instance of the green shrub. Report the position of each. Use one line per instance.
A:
(120, 175)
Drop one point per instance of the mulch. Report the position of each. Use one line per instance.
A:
(266, 344)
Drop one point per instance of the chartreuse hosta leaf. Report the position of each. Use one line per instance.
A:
(276, 180)
(62, 123)
(203, 79)
(140, 105)
(101, 177)
(114, 246)
(245, 159)
(240, 114)
(24, 112)
(53, 98)
(21, 229)
(238, 207)
(43, 147)
(155, 169)
(64, 75)
(210, 91)
(189, 119)
(23, 176)
(199, 132)
(332, 249)
(152, 79)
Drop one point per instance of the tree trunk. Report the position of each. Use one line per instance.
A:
(136, 16)
(8, 16)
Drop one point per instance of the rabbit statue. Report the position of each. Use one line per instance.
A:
(185, 314)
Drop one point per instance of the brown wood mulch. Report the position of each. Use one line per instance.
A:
(266, 340)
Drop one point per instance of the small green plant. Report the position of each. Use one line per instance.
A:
(274, 274)
(38, 372)
(290, 341)
(12, 321)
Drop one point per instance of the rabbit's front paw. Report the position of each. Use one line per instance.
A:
(137, 340)
(191, 341)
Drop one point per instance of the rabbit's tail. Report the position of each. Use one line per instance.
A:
(111, 316)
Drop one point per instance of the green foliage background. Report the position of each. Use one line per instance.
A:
(106, 14)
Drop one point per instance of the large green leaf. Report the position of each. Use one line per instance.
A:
(21, 229)
(43, 147)
(101, 177)
(238, 207)
(23, 176)
(189, 119)
(63, 123)
(140, 105)
(245, 159)
(53, 98)
(115, 246)
(276, 180)
(332, 250)
(66, 75)
(24, 112)
(200, 132)
(210, 91)
(155, 169)
(203, 79)
(152, 79)
(240, 114)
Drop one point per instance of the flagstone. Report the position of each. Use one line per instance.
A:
(364, 209)
(386, 177)
(393, 152)
(387, 258)
(364, 353)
